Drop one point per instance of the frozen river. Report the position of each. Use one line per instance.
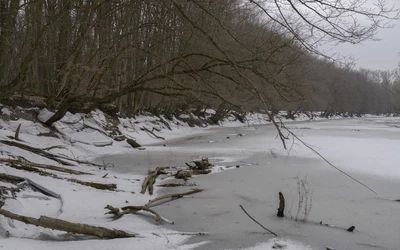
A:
(366, 148)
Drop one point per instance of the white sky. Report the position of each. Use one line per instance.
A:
(376, 55)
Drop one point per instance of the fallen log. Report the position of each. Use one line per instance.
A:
(11, 178)
(152, 133)
(44, 166)
(32, 169)
(149, 181)
(110, 187)
(171, 185)
(133, 143)
(36, 151)
(62, 225)
(96, 185)
(43, 153)
(16, 180)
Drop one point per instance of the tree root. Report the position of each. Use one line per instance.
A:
(62, 225)
(133, 209)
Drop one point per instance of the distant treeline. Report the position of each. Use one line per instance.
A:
(167, 55)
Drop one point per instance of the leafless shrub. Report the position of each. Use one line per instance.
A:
(305, 198)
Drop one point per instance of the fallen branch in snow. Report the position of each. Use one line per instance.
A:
(323, 158)
(62, 225)
(171, 185)
(35, 151)
(33, 170)
(257, 221)
(47, 155)
(110, 187)
(11, 178)
(55, 146)
(133, 209)
(149, 181)
(45, 166)
(152, 133)
(173, 196)
(16, 179)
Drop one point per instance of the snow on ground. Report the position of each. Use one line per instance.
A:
(275, 243)
(85, 137)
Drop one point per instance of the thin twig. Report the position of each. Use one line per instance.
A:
(326, 160)
(257, 221)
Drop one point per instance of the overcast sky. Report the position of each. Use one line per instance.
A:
(376, 55)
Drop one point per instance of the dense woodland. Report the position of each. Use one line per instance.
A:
(174, 55)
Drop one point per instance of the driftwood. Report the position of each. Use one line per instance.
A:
(133, 143)
(351, 229)
(171, 185)
(17, 132)
(96, 185)
(202, 164)
(11, 178)
(147, 207)
(152, 133)
(43, 153)
(132, 209)
(257, 221)
(62, 225)
(281, 208)
(36, 151)
(16, 179)
(183, 174)
(44, 166)
(172, 196)
(55, 146)
(32, 169)
(149, 181)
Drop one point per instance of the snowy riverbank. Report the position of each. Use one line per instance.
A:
(83, 138)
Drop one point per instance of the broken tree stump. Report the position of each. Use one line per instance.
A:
(66, 226)
(149, 181)
(133, 143)
(183, 174)
(281, 208)
(351, 229)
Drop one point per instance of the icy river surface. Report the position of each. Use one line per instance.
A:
(368, 149)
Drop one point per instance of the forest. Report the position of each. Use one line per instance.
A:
(172, 56)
